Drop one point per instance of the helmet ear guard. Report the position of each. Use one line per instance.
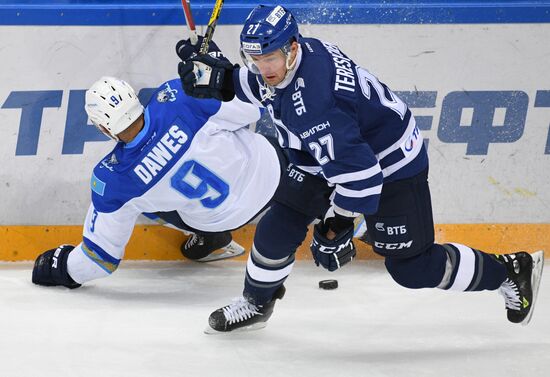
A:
(112, 106)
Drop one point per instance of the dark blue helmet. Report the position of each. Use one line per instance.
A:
(267, 29)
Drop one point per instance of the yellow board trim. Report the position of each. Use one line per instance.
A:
(155, 242)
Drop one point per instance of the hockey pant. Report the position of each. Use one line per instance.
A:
(299, 199)
(402, 231)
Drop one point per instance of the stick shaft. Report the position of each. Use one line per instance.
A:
(211, 26)
(189, 20)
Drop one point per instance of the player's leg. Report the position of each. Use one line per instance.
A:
(402, 231)
(278, 234)
(199, 246)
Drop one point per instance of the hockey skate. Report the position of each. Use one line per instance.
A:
(242, 315)
(522, 284)
(211, 247)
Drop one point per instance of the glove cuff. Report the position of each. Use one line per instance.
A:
(339, 223)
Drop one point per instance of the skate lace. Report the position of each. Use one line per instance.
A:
(195, 238)
(240, 310)
(509, 290)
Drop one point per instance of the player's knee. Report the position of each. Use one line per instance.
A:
(421, 271)
(401, 272)
(50, 268)
(280, 231)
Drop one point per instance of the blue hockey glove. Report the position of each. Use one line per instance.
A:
(207, 77)
(333, 254)
(50, 268)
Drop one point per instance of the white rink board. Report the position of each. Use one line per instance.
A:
(506, 184)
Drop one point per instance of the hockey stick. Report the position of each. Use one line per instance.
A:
(190, 22)
(211, 27)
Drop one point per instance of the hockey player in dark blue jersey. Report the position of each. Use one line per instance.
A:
(338, 121)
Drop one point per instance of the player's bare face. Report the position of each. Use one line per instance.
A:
(272, 66)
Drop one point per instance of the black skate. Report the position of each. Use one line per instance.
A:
(211, 247)
(522, 284)
(242, 315)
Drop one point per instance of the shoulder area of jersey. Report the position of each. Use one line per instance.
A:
(327, 60)
(110, 185)
(325, 69)
(104, 171)
(311, 87)
(168, 92)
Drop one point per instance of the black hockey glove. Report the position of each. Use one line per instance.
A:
(333, 254)
(50, 268)
(186, 50)
(207, 77)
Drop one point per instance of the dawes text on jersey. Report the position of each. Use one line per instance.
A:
(192, 156)
(340, 121)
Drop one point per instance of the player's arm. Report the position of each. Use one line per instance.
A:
(105, 236)
(347, 162)
(235, 114)
(350, 165)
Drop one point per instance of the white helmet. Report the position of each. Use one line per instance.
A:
(112, 105)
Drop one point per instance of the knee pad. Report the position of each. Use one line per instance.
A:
(280, 231)
(424, 270)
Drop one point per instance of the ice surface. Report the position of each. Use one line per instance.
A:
(148, 320)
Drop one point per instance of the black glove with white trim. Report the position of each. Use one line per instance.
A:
(50, 268)
(207, 77)
(333, 253)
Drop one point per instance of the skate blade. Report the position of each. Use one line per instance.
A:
(256, 326)
(538, 265)
(232, 250)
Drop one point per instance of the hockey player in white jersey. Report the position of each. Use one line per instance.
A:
(337, 120)
(184, 160)
(191, 163)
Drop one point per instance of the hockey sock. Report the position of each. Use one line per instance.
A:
(264, 276)
(469, 269)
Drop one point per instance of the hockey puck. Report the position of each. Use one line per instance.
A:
(328, 284)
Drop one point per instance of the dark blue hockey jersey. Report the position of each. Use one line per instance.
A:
(339, 121)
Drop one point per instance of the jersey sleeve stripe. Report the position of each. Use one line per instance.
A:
(99, 256)
(294, 141)
(310, 169)
(410, 156)
(365, 205)
(395, 146)
(376, 190)
(356, 176)
(243, 79)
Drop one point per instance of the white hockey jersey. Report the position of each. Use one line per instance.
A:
(193, 156)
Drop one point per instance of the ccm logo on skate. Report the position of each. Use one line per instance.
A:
(393, 246)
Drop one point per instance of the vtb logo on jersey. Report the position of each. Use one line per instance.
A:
(297, 99)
